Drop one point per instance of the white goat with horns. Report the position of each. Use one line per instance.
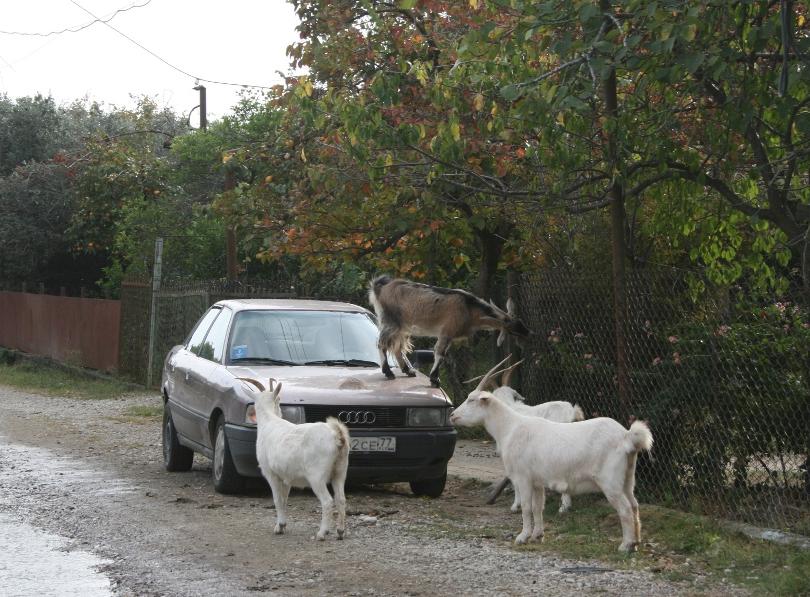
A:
(305, 455)
(582, 457)
(559, 411)
(406, 309)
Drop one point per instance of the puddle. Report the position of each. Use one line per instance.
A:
(33, 562)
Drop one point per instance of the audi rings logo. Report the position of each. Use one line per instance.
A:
(357, 417)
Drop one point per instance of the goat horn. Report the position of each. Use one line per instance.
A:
(485, 380)
(507, 373)
(252, 381)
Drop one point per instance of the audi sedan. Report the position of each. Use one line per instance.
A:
(325, 354)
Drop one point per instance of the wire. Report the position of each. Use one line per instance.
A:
(77, 28)
(166, 62)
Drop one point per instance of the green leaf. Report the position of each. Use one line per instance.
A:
(691, 61)
(511, 92)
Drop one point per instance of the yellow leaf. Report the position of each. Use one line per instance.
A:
(226, 157)
(303, 155)
(474, 4)
(801, 20)
(455, 129)
(561, 118)
(478, 102)
(389, 160)
(268, 179)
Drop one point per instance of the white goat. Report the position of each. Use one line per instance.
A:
(305, 455)
(581, 457)
(558, 411)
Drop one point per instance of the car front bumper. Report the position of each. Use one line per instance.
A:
(420, 454)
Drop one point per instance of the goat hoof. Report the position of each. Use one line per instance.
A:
(390, 375)
(628, 547)
(340, 534)
(279, 530)
(410, 373)
(515, 508)
(521, 539)
(321, 535)
(536, 538)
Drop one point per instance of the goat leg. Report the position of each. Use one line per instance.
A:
(496, 490)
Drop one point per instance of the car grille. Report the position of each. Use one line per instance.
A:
(358, 416)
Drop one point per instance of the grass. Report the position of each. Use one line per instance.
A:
(679, 545)
(56, 381)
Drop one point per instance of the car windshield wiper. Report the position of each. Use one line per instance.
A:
(344, 363)
(266, 360)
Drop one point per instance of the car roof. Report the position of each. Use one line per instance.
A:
(289, 304)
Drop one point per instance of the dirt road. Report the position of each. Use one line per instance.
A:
(88, 471)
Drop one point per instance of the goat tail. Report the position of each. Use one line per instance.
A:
(640, 437)
(579, 415)
(342, 442)
(378, 282)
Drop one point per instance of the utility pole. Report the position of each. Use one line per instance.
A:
(230, 232)
(156, 276)
(203, 108)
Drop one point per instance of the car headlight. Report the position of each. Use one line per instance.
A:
(427, 417)
(293, 414)
(250, 414)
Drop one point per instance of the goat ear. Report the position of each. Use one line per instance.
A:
(276, 392)
(485, 399)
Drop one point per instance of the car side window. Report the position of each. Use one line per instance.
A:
(213, 346)
(195, 340)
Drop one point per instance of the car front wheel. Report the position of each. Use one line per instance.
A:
(429, 487)
(223, 472)
(176, 457)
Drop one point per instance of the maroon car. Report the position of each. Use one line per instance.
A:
(325, 354)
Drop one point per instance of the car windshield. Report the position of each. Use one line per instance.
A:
(278, 337)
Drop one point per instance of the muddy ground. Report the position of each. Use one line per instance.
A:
(88, 471)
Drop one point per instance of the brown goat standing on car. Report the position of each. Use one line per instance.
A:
(406, 309)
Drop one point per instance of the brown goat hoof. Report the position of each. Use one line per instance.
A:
(390, 376)
(410, 373)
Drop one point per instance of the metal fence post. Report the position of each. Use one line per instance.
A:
(153, 311)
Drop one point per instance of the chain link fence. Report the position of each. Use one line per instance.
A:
(724, 385)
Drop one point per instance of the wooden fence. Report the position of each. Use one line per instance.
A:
(79, 331)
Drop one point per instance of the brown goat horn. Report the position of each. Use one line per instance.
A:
(485, 380)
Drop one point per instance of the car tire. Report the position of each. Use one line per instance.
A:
(432, 488)
(223, 472)
(176, 457)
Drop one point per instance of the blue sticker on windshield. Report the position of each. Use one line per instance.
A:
(239, 352)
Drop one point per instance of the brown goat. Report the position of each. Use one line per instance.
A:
(406, 309)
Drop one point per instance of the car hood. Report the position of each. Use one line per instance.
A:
(345, 385)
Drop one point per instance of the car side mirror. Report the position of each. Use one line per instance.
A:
(421, 357)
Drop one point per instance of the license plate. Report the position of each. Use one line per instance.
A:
(373, 444)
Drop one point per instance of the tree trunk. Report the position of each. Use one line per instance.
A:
(618, 252)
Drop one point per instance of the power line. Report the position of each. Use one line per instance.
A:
(166, 62)
(77, 28)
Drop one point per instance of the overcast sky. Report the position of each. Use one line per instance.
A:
(239, 41)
